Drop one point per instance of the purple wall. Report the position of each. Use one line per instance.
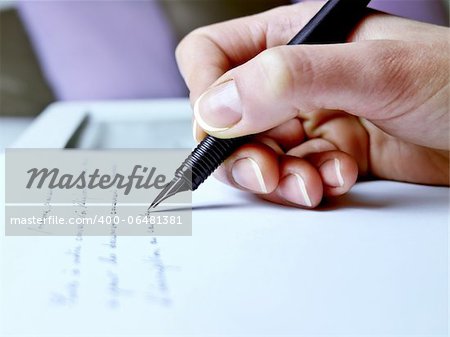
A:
(124, 49)
(103, 49)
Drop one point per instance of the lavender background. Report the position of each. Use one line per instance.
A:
(124, 49)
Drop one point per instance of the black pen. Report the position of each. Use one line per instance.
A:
(332, 24)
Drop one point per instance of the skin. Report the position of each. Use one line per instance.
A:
(323, 116)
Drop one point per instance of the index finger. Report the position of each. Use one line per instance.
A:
(208, 52)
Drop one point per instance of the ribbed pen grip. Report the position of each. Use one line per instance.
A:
(206, 157)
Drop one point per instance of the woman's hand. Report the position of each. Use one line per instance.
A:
(321, 114)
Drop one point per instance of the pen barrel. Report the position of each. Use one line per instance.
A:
(333, 23)
(206, 158)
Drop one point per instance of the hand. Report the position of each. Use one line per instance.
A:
(321, 114)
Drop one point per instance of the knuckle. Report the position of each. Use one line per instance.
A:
(185, 52)
(179, 49)
(276, 72)
(291, 73)
(187, 41)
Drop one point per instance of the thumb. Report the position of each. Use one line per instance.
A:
(360, 78)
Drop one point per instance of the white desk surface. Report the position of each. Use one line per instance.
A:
(11, 128)
(373, 263)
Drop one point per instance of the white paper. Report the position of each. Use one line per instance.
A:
(373, 262)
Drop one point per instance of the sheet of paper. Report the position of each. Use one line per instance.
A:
(373, 262)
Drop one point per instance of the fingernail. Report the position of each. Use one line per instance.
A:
(293, 189)
(219, 108)
(247, 174)
(194, 131)
(331, 173)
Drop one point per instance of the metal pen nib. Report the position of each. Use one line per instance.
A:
(205, 158)
(177, 185)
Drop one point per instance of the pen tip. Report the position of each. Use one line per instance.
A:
(172, 188)
(153, 204)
